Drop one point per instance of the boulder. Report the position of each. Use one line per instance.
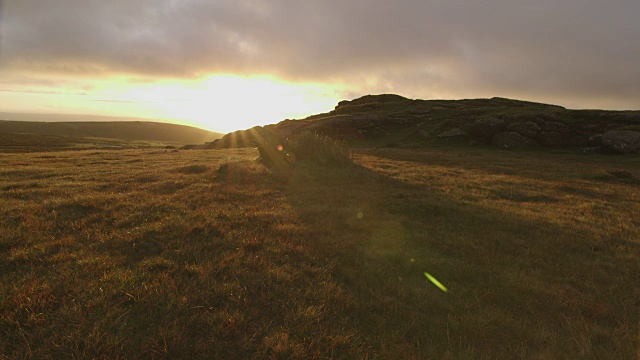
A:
(551, 139)
(595, 140)
(528, 129)
(622, 141)
(289, 127)
(577, 139)
(549, 126)
(342, 103)
(455, 134)
(485, 127)
(512, 140)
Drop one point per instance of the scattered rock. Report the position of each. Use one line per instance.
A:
(485, 127)
(550, 139)
(554, 126)
(512, 140)
(528, 129)
(455, 134)
(622, 141)
(595, 140)
(574, 139)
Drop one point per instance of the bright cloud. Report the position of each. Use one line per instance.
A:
(578, 53)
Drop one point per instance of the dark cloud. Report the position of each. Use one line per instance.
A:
(579, 48)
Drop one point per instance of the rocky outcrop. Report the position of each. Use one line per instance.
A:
(455, 135)
(553, 134)
(485, 128)
(551, 139)
(376, 119)
(513, 140)
(372, 99)
(595, 140)
(528, 129)
(554, 126)
(625, 142)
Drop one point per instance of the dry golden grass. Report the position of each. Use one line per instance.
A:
(207, 254)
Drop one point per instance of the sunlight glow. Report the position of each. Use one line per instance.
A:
(221, 103)
(226, 103)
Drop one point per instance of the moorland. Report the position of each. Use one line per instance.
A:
(156, 253)
(29, 136)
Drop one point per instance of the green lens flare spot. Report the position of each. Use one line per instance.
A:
(435, 282)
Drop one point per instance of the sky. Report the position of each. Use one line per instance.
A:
(226, 65)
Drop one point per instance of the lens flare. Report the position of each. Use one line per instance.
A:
(435, 282)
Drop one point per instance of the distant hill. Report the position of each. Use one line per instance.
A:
(125, 130)
(395, 121)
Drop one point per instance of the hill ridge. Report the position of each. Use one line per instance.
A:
(127, 130)
(395, 121)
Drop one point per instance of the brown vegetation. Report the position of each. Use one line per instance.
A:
(124, 130)
(201, 254)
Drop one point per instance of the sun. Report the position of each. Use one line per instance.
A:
(226, 103)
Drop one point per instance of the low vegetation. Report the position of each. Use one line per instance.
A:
(123, 130)
(20, 143)
(305, 148)
(208, 254)
(320, 150)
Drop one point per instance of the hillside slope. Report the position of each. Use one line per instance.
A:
(127, 130)
(395, 121)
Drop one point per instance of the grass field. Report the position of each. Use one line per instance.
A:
(22, 143)
(207, 254)
(115, 131)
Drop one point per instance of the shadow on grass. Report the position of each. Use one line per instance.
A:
(329, 261)
(517, 286)
(541, 166)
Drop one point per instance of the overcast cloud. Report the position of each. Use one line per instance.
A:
(576, 51)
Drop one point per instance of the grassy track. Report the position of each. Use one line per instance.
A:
(206, 254)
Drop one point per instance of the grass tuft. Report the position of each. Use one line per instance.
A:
(618, 176)
(621, 174)
(192, 169)
(320, 149)
(305, 148)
